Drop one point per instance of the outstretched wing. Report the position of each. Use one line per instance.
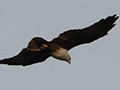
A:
(76, 37)
(28, 56)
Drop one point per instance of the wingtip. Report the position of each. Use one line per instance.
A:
(115, 16)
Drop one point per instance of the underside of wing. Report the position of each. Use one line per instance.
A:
(26, 57)
(36, 51)
(76, 37)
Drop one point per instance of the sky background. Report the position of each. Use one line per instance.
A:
(95, 66)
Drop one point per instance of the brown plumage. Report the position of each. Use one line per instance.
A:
(75, 37)
(39, 50)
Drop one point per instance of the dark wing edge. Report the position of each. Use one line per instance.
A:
(26, 57)
(72, 38)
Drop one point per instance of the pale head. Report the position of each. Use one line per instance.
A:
(62, 54)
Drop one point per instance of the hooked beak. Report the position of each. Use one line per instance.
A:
(69, 61)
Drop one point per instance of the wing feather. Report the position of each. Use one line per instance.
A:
(72, 38)
(34, 53)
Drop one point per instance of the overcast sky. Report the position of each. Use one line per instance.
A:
(95, 66)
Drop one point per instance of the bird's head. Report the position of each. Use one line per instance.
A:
(62, 54)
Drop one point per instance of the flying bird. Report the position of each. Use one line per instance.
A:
(38, 49)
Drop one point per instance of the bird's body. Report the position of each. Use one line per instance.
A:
(38, 49)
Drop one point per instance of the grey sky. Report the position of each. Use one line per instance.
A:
(95, 66)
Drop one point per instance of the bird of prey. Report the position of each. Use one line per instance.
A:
(38, 49)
